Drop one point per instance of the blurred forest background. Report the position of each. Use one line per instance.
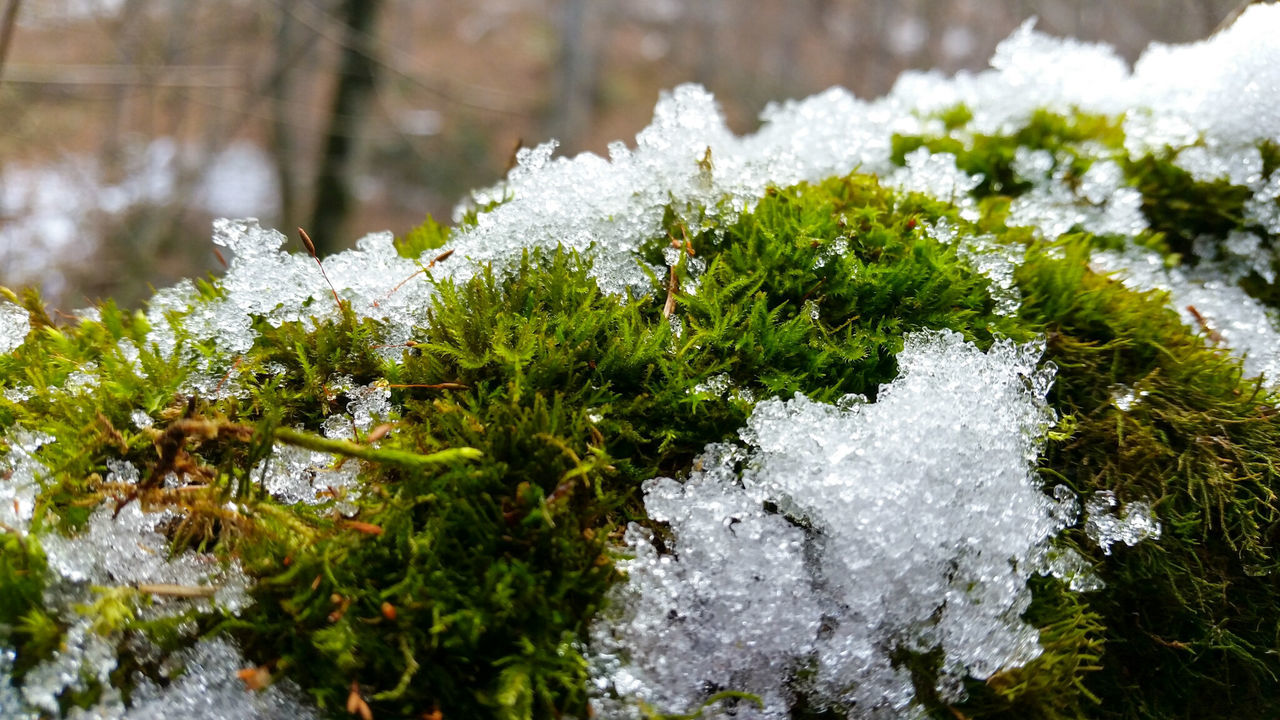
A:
(126, 125)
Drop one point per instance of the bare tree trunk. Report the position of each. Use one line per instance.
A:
(357, 77)
(710, 17)
(129, 32)
(281, 139)
(7, 23)
(569, 117)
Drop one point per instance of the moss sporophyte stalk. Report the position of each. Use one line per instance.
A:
(958, 403)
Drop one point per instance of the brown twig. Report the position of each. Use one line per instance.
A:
(439, 258)
(673, 284)
(1214, 335)
(178, 591)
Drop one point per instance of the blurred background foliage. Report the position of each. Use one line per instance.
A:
(128, 124)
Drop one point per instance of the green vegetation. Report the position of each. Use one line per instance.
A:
(459, 581)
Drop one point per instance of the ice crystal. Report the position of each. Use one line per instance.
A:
(714, 386)
(294, 474)
(912, 522)
(19, 394)
(1135, 523)
(1072, 567)
(1125, 397)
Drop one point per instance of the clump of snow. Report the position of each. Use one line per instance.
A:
(936, 174)
(1099, 204)
(11, 703)
(19, 394)
(83, 657)
(735, 608)
(121, 548)
(910, 523)
(365, 405)
(15, 323)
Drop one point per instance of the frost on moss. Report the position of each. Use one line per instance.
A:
(956, 403)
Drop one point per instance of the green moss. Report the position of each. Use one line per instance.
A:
(992, 156)
(430, 235)
(1194, 614)
(463, 577)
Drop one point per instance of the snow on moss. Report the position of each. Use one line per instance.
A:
(912, 522)
(841, 534)
(14, 326)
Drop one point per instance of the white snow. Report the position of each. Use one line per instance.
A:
(912, 522)
(15, 323)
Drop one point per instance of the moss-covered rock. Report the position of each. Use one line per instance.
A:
(404, 483)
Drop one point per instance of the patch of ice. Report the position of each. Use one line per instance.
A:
(122, 547)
